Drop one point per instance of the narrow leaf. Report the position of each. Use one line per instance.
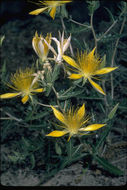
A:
(113, 111)
(108, 166)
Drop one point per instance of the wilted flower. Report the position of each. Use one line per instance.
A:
(87, 66)
(50, 6)
(73, 122)
(62, 46)
(22, 84)
(40, 47)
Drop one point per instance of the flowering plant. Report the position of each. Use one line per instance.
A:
(66, 66)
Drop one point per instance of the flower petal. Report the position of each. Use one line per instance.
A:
(105, 70)
(57, 133)
(25, 99)
(38, 11)
(66, 45)
(91, 54)
(81, 112)
(38, 90)
(92, 127)
(58, 115)
(75, 76)
(9, 95)
(53, 12)
(70, 61)
(96, 86)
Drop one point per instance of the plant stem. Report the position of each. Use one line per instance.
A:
(93, 31)
(45, 105)
(57, 95)
(114, 54)
(107, 30)
(79, 23)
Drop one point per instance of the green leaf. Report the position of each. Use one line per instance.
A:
(113, 111)
(110, 14)
(1, 40)
(56, 72)
(102, 139)
(70, 94)
(58, 149)
(63, 11)
(38, 116)
(32, 159)
(93, 6)
(103, 63)
(108, 166)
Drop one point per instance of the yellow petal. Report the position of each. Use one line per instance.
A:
(25, 99)
(57, 133)
(53, 12)
(92, 127)
(75, 76)
(46, 48)
(9, 95)
(91, 54)
(38, 11)
(105, 70)
(38, 90)
(70, 61)
(81, 112)
(96, 86)
(58, 114)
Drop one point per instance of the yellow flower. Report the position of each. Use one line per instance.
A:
(50, 6)
(21, 82)
(88, 65)
(73, 122)
(40, 47)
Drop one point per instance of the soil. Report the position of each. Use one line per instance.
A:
(17, 51)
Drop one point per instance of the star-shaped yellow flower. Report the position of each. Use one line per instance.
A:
(73, 122)
(88, 66)
(50, 6)
(22, 83)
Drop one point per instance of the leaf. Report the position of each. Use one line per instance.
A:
(70, 94)
(104, 135)
(110, 14)
(108, 166)
(93, 6)
(1, 40)
(56, 72)
(38, 116)
(32, 159)
(103, 63)
(113, 111)
(58, 149)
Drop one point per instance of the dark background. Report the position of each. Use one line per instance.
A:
(19, 9)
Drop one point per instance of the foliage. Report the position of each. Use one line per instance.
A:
(24, 127)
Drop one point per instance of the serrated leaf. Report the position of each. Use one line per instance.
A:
(113, 111)
(93, 6)
(70, 95)
(108, 166)
(55, 72)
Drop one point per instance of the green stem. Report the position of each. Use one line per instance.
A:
(93, 31)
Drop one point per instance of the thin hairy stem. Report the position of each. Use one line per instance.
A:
(93, 31)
